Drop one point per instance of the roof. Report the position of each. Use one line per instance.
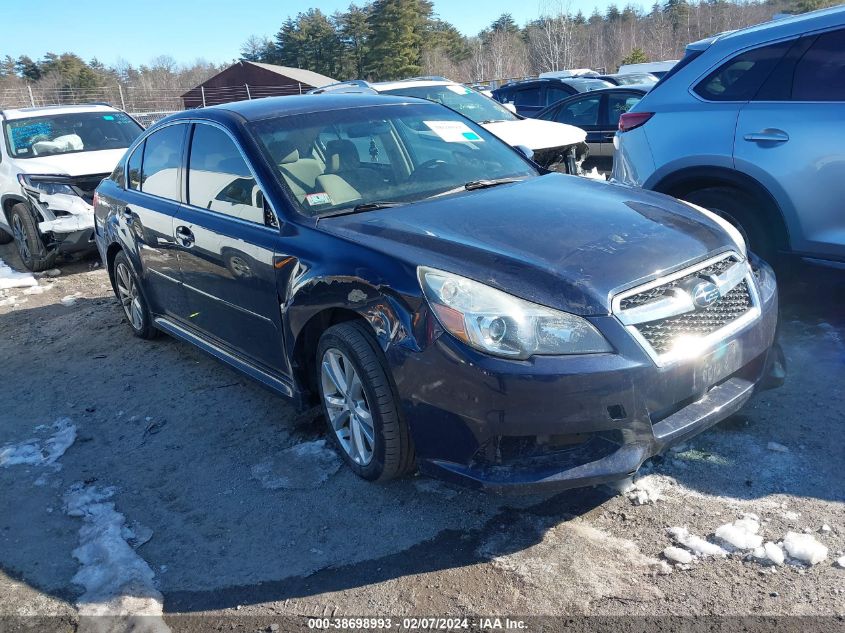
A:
(25, 113)
(269, 107)
(297, 74)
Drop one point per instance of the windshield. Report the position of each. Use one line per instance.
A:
(633, 80)
(588, 85)
(69, 133)
(338, 160)
(467, 101)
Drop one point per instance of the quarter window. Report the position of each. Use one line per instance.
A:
(133, 168)
(527, 97)
(555, 94)
(219, 178)
(820, 75)
(740, 78)
(162, 159)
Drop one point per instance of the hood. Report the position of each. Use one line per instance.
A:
(536, 134)
(561, 241)
(73, 164)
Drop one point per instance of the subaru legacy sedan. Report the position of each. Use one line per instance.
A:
(450, 306)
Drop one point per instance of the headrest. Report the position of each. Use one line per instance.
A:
(284, 152)
(342, 154)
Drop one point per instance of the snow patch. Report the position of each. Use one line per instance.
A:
(641, 491)
(741, 534)
(118, 583)
(36, 452)
(70, 300)
(304, 466)
(37, 290)
(841, 562)
(804, 547)
(774, 553)
(13, 279)
(678, 555)
(695, 544)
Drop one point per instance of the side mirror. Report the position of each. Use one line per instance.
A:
(525, 151)
(509, 106)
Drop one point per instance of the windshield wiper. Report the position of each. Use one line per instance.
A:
(477, 184)
(364, 206)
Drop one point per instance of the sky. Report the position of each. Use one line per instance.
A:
(213, 30)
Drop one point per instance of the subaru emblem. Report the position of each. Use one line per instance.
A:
(705, 294)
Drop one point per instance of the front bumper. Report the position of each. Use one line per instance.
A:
(552, 423)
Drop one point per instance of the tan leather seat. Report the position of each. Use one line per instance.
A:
(299, 173)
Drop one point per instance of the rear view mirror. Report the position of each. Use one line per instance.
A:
(525, 151)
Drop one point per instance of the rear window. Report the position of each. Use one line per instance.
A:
(70, 133)
(740, 78)
(820, 75)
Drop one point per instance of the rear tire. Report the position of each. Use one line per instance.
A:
(742, 210)
(127, 289)
(355, 351)
(31, 247)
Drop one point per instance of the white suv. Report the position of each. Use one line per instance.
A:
(555, 146)
(51, 161)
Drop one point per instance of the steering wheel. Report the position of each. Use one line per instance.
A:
(427, 170)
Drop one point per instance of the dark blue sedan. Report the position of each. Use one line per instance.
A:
(449, 305)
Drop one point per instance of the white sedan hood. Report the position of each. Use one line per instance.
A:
(536, 134)
(74, 163)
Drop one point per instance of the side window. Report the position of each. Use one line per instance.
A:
(740, 78)
(527, 97)
(133, 166)
(618, 104)
(555, 94)
(162, 160)
(820, 75)
(219, 179)
(584, 112)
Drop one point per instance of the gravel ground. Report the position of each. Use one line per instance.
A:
(237, 511)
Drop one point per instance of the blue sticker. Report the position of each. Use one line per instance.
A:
(108, 117)
(471, 136)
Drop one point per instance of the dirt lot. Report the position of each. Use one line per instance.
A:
(189, 497)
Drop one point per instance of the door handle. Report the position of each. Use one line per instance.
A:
(184, 236)
(767, 136)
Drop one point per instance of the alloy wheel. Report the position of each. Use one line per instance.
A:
(19, 234)
(347, 407)
(130, 297)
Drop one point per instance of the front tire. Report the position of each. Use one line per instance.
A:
(743, 211)
(5, 237)
(360, 404)
(127, 288)
(31, 247)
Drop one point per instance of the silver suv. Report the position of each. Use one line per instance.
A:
(751, 125)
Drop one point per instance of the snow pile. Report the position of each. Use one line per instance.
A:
(12, 279)
(695, 544)
(742, 533)
(37, 290)
(306, 465)
(804, 547)
(678, 555)
(841, 562)
(644, 490)
(34, 452)
(594, 174)
(117, 581)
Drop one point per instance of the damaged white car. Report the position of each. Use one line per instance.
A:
(51, 161)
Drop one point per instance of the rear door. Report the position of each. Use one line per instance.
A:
(226, 237)
(584, 112)
(151, 201)
(791, 137)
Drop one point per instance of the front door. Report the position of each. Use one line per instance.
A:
(226, 241)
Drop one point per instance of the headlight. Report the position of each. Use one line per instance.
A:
(730, 229)
(49, 185)
(495, 322)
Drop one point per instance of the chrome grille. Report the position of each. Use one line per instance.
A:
(659, 292)
(704, 304)
(661, 334)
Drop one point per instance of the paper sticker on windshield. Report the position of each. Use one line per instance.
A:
(459, 90)
(453, 131)
(317, 199)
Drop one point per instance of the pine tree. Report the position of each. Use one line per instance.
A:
(397, 37)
